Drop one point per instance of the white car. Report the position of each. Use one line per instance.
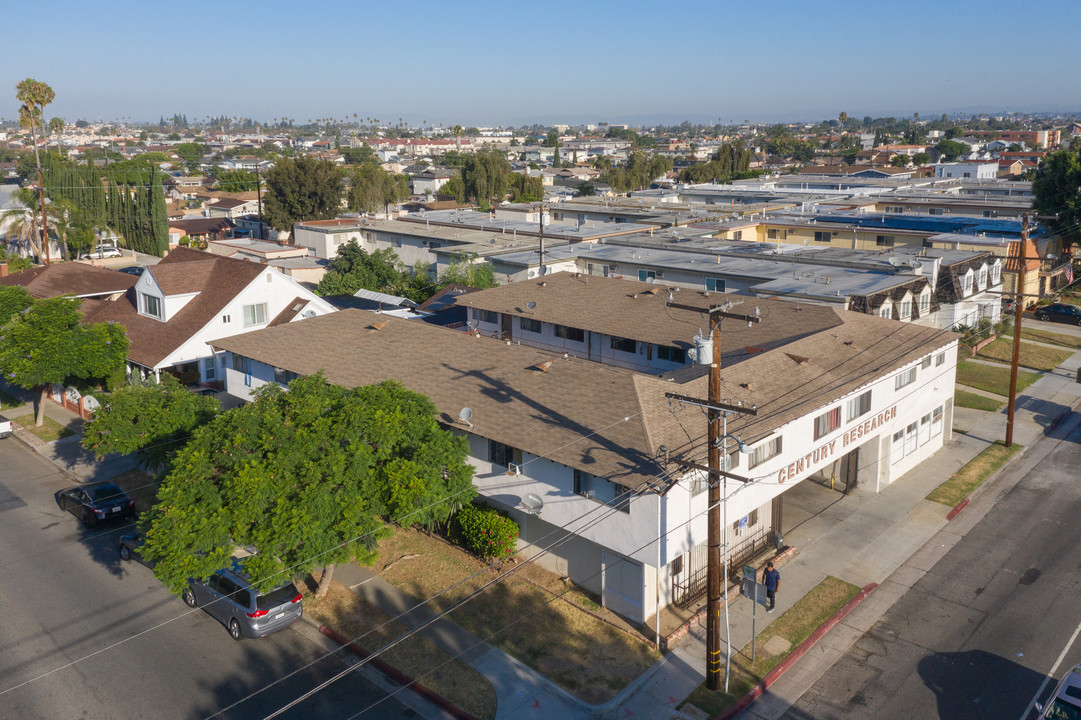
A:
(102, 251)
(6, 428)
(1065, 704)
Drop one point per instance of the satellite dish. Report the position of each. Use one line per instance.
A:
(532, 504)
(465, 414)
(531, 306)
(472, 325)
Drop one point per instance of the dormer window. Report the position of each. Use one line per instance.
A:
(151, 305)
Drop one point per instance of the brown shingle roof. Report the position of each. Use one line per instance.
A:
(70, 278)
(217, 280)
(601, 419)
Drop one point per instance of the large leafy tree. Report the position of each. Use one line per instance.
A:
(307, 476)
(466, 270)
(1056, 190)
(47, 344)
(301, 189)
(354, 268)
(153, 421)
(372, 188)
(485, 176)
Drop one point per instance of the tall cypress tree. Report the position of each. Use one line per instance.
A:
(159, 220)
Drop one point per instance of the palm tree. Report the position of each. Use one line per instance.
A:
(35, 96)
(457, 131)
(23, 223)
(56, 126)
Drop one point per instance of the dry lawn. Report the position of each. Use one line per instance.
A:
(50, 431)
(1046, 336)
(795, 626)
(417, 657)
(1030, 355)
(551, 633)
(971, 476)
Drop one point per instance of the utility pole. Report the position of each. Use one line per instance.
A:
(716, 576)
(1019, 303)
(259, 195)
(540, 253)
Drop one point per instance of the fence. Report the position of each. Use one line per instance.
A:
(691, 584)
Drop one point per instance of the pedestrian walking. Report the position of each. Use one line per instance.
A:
(772, 580)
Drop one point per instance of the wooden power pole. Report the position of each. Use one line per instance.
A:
(1019, 306)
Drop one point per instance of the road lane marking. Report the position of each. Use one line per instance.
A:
(1051, 675)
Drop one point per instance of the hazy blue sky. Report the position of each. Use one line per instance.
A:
(509, 63)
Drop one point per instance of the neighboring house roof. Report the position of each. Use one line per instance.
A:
(70, 278)
(384, 298)
(605, 420)
(445, 298)
(293, 309)
(201, 226)
(230, 203)
(215, 281)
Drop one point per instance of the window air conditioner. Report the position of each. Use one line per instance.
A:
(514, 469)
(589, 494)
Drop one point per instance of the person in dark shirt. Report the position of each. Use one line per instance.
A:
(772, 580)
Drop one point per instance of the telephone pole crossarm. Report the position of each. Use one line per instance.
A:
(721, 407)
(712, 473)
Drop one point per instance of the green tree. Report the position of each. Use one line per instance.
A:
(13, 299)
(153, 421)
(47, 344)
(56, 126)
(899, 161)
(586, 189)
(951, 149)
(35, 95)
(921, 158)
(1056, 190)
(371, 188)
(526, 189)
(301, 189)
(191, 153)
(467, 270)
(485, 176)
(361, 155)
(354, 268)
(306, 476)
(237, 181)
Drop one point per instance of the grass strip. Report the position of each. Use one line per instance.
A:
(1032, 356)
(456, 681)
(1046, 336)
(50, 431)
(793, 627)
(992, 378)
(965, 399)
(971, 476)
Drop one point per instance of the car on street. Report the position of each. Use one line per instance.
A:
(95, 502)
(102, 251)
(229, 596)
(130, 547)
(6, 427)
(1065, 703)
(1059, 312)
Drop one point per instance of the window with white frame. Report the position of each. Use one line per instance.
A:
(700, 483)
(210, 368)
(925, 363)
(911, 437)
(715, 284)
(940, 359)
(996, 273)
(981, 282)
(904, 311)
(886, 311)
(602, 490)
(925, 428)
(936, 421)
(765, 451)
(827, 422)
(925, 302)
(151, 305)
(254, 314)
(897, 446)
(857, 406)
(905, 377)
(966, 282)
(644, 275)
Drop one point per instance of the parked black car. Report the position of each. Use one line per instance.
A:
(95, 502)
(1059, 312)
(131, 548)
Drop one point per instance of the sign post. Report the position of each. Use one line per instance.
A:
(750, 589)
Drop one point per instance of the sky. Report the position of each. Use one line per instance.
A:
(510, 63)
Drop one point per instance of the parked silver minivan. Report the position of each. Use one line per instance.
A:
(229, 596)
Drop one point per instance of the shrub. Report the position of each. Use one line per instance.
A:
(486, 532)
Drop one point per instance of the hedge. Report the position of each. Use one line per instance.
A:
(486, 532)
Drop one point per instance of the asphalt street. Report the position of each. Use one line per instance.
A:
(85, 635)
(988, 626)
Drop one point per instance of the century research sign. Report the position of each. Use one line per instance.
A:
(828, 451)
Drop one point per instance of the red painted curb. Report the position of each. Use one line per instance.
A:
(957, 509)
(772, 675)
(398, 676)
